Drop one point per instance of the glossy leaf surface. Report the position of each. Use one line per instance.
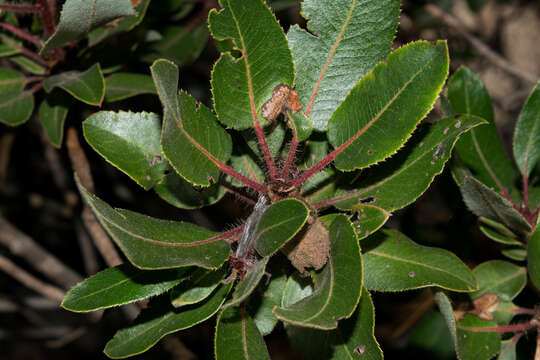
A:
(395, 96)
(190, 133)
(78, 17)
(238, 338)
(480, 149)
(261, 306)
(121, 86)
(16, 105)
(87, 86)
(130, 142)
(151, 243)
(346, 39)
(124, 24)
(533, 256)
(241, 86)
(485, 202)
(245, 287)
(370, 218)
(120, 285)
(475, 344)
(407, 265)
(52, 115)
(403, 178)
(501, 278)
(160, 320)
(279, 223)
(198, 287)
(353, 339)
(527, 134)
(338, 286)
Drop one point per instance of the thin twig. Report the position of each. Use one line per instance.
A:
(22, 34)
(52, 292)
(87, 250)
(19, 8)
(82, 169)
(22, 245)
(482, 48)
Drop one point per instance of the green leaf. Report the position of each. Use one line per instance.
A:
(29, 65)
(527, 133)
(393, 262)
(508, 350)
(515, 253)
(480, 149)
(120, 285)
(370, 219)
(533, 256)
(346, 39)
(180, 193)
(87, 86)
(11, 81)
(16, 107)
(301, 124)
(241, 86)
(237, 337)
(245, 287)
(261, 306)
(279, 223)
(401, 179)
(121, 86)
(179, 44)
(274, 138)
(78, 17)
(353, 339)
(52, 115)
(498, 232)
(245, 163)
(338, 286)
(501, 278)
(475, 344)
(296, 289)
(190, 133)
(395, 96)
(160, 320)
(151, 243)
(485, 202)
(130, 142)
(198, 287)
(6, 46)
(125, 24)
(445, 307)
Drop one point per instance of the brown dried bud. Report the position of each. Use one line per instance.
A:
(485, 305)
(310, 248)
(282, 97)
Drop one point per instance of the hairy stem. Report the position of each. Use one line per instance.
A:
(290, 157)
(46, 16)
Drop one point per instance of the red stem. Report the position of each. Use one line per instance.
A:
(264, 147)
(235, 192)
(20, 8)
(22, 34)
(30, 79)
(228, 234)
(290, 158)
(520, 310)
(227, 170)
(46, 17)
(52, 6)
(32, 55)
(525, 190)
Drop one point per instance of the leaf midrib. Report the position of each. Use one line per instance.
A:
(393, 257)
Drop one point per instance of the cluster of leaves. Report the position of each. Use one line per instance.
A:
(83, 35)
(367, 100)
(507, 215)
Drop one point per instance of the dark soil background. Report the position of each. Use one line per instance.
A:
(38, 196)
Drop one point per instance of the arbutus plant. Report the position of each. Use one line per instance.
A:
(319, 130)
